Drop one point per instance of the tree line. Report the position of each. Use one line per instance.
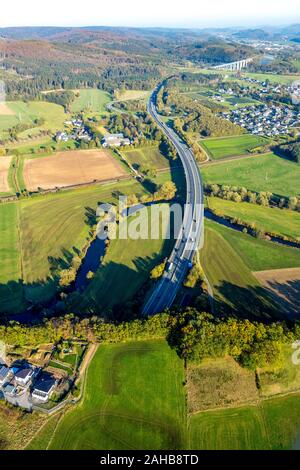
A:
(262, 198)
(193, 334)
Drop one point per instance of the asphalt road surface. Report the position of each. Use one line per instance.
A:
(190, 232)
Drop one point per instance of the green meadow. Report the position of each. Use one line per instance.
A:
(271, 425)
(147, 156)
(280, 221)
(229, 258)
(26, 113)
(232, 146)
(90, 101)
(134, 399)
(128, 259)
(44, 232)
(262, 173)
(256, 254)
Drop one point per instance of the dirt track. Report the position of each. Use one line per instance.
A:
(4, 169)
(70, 168)
(284, 286)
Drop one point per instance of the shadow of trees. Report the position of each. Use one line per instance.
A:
(254, 303)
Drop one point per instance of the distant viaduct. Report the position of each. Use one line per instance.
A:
(238, 65)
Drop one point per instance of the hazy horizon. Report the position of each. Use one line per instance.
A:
(194, 14)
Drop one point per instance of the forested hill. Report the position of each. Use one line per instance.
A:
(42, 58)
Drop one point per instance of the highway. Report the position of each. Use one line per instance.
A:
(190, 232)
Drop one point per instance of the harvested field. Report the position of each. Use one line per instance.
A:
(284, 286)
(5, 110)
(70, 168)
(4, 169)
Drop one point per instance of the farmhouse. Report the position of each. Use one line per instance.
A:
(114, 140)
(44, 387)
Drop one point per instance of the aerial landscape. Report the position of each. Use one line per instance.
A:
(150, 229)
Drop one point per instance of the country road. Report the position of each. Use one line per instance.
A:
(190, 232)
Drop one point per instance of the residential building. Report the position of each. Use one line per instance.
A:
(44, 387)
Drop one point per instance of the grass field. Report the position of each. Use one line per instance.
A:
(134, 399)
(51, 226)
(232, 146)
(271, 425)
(53, 114)
(16, 428)
(264, 173)
(232, 282)
(147, 156)
(281, 221)
(257, 255)
(204, 95)
(56, 223)
(273, 78)
(90, 100)
(11, 290)
(229, 259)
(130, 259)
(9, 244)
(124, 95)
(282, 378)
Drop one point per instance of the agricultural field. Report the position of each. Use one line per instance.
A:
(235, 255)
(232, 146)
(11, 290)
(9, 245)
(272, 425)
(125, 95)
(217, 383)
(204, 95)
(130, 259)
(280, 221)
(284, 286)
(258, 255)
(90, 100)
(5, 110)
(147, 156)
(70, 168)
(26, 113)
(232, 282)
(134, 399)
(5, 163)
(262, 173)
(273, 78)
(45, 232)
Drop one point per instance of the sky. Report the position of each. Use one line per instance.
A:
(168, 13)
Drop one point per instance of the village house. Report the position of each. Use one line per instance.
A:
(44, 387)
(24, 375)
(9, 389)
(4, 374)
